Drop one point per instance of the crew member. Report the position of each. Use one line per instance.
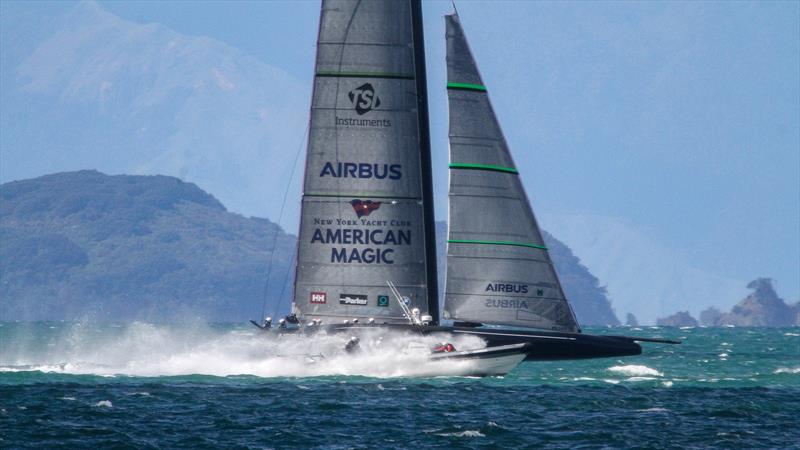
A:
(352, 345)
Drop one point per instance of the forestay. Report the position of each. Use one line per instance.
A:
(498, 269)
(362, 209)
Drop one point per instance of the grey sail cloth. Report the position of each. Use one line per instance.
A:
(362, 208)
(498, 270)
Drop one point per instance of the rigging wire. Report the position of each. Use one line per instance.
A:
(297, 155)
(278, 229)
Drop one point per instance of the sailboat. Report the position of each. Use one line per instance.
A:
(367, 214)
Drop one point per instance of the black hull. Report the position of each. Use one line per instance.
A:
(542, 345)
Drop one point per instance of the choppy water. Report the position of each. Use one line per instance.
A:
(145, 385)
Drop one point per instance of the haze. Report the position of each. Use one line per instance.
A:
(660, 140)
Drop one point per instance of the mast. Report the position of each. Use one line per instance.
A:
(426, 173)
(498, 268)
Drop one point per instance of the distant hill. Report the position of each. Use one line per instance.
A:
(87, 245)
(762, 308)
(588, 298)
(679, 319)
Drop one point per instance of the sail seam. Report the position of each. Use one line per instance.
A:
(466, 87)
(364, 195)
(515, 244)
(483, 167)
(472, 294)
(498, 258)
(398, 76)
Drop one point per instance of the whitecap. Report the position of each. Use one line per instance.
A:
(787, 370)
(667, 383)
(611, 381)
(465, 433)
(653, 410)
(791, 334)
(104, 404)
(635, 370)
(584, 379)
(69, 399)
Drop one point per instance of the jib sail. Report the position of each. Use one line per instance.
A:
(364, 219)
(498, 269)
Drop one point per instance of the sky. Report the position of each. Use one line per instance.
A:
(676, 121)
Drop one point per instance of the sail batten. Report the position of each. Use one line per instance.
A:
(498, 268)
(466, 86)
(473, 166)
(398, 76)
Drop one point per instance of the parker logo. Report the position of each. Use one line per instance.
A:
(318, 297)
(383, 300)
(364, 207)
(353, 299)
(364, 99)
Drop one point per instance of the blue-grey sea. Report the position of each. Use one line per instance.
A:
(141, 385)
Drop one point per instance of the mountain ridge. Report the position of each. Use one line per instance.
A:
(85, 244)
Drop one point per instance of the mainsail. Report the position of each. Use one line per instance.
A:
(498, 269)
(366, 212)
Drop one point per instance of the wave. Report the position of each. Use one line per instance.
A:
(634, 370)
(787, 370)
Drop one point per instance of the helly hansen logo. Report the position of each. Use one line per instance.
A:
(364, 207)
(364, 99)
(318, 297)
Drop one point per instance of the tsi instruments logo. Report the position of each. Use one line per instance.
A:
(353, 299)
(364, 99)
(383, 300)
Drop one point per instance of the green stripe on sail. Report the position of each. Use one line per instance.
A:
(515, 244)
(398, 76)
(467, 86)
(483, 167)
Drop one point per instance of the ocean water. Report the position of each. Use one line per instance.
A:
(77, 385)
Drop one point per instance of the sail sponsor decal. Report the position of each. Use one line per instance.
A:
(364, 207)
(318, 298)
(364, 99)
(525, 310)
(353, 299)
(383, 300)
(516, 288)
(361, 170)
(365, 239)
(505, 303)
